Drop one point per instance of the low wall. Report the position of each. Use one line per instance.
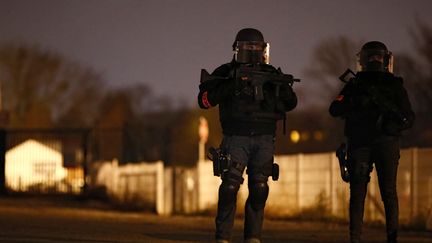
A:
(145, 183)
(307, 182)
(310, 181)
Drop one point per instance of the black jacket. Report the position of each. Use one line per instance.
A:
(239, 113)
(374, 105)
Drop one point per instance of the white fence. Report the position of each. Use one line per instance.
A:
(313, 180)
(144, 183)
(307, 181)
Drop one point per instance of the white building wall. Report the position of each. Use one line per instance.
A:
(33, 164)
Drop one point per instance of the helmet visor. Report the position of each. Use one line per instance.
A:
(251, 52)
(375, 60)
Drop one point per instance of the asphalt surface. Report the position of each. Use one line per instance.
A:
(31, 219)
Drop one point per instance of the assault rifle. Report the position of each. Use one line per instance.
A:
(254, 76)
(383, 104)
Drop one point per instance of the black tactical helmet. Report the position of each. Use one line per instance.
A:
(374, 56)
(249, 47)
(248, 34)
(377, 45)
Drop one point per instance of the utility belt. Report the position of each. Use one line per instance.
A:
(259, 116)
(222, 163)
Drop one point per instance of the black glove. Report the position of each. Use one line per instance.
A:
(286, 92)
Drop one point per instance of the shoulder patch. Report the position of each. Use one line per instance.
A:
(205, 101)
(339, 97)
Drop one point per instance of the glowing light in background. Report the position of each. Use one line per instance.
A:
(304, 136)
(318, 135)
(295, 136)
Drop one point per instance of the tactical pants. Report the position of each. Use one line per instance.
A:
(385, 155)
(255, 153)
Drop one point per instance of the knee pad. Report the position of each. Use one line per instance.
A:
(360, 175)
(258, 193)
(228, 193)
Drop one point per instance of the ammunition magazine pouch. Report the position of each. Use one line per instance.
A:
(224, 166)
(275, 172)
(272, 171)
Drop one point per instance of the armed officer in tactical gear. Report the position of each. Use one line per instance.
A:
(376, 109)
(249, 108)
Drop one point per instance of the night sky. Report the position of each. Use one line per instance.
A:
(165, 43)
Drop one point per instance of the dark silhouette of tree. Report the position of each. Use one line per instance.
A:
(416, 68)
(318, 131)
(329, 60)
(135, 126)
(116, 130)
(41, 88)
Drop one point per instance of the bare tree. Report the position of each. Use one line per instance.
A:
(329, 60)
(41, 88)
(416, 68)
(135, 125)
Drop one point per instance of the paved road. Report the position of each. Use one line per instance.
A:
(35, 220)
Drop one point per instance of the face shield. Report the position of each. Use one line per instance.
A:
(375, 60)
(252, 52)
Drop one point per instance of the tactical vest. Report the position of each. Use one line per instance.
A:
(243, 106)
(381, 115)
